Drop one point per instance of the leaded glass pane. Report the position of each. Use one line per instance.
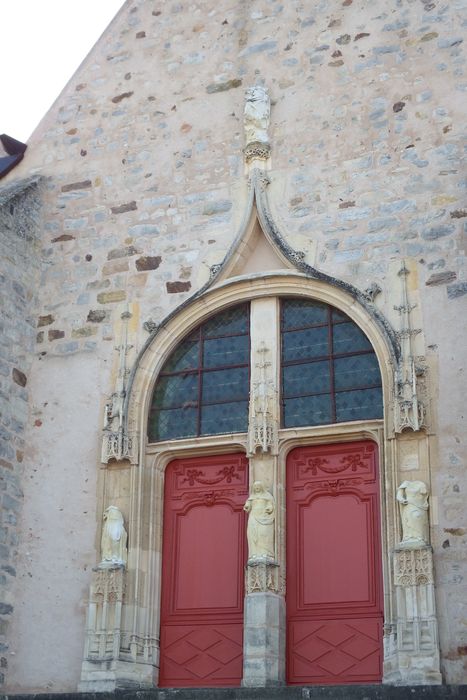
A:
(356, 371)
(347, 337)
(338, 316)
(176, 390)
(222, 352)
(359, 404)
(307, 410)
(311, 378)
(185, 356)
(228, 322)
(173, 423)
(224, 418)
(297, 313)
(225, 385)
(306, 344)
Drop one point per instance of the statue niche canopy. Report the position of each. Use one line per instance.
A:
(329, 373)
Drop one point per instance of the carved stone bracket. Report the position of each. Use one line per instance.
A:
(417, 629)
(104, 614)
(409, 408)
(263, 429)
(257, 151)
(262, 576)
(118, 446)
(413, 567)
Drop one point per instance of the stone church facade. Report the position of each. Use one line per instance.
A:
(233, 354)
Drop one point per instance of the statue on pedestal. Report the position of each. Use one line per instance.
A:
(114, 539)
(261, 508)
(413, 504)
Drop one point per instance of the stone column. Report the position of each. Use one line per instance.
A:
(264, 630)
(417, 629)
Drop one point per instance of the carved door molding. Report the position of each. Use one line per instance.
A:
(204, 553)
(334, 570)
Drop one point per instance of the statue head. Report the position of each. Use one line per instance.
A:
(113, 514)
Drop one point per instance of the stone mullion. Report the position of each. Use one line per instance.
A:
(264, 633)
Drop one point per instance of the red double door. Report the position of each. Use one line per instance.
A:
(334, 589)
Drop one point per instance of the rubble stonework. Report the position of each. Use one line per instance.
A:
(145, 183)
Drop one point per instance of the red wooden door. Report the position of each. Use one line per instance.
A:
(204, 554)
(334, 579)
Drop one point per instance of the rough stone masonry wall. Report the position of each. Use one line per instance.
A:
(19, 266)
(145, 188)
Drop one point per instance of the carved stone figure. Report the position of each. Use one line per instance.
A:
(261, 508)
(256, 116)
(114, 538)
(413, 505)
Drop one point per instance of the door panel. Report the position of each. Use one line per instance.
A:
(204, 554)
(334, 582)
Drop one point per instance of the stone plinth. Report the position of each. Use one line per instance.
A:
(264, 631)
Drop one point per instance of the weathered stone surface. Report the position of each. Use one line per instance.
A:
(457, 290)
(177, 287)
(114, 266)
(83, 332)
(111, 297)
(45, 320)
(441, 278)
(148, 262)
(64, 237)
(222, 87)
(55, 334)
(97, 315)
(19, 377)
(83, 185)
(122, 208)
(123, 96)
(122, 252)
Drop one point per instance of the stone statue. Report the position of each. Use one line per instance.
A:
(256, 115)
(114, 537)
(413, 505)
(261, 508)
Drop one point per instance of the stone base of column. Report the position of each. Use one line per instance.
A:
(416, 658)
(264, 640)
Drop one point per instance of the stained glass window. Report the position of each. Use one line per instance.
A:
(203, 387)
(330, 372)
